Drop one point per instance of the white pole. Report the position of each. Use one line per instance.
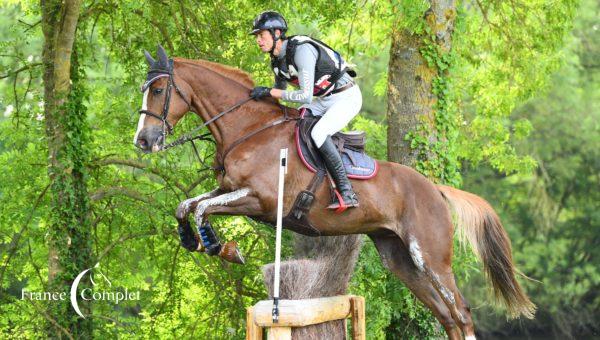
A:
(282, 171)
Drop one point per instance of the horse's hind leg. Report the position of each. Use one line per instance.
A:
(461, 309)
(398, 260)
(433, 259)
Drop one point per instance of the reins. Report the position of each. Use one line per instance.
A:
(188, 136)
(247, 136)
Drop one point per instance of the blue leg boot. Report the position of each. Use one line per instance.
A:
(209, 238)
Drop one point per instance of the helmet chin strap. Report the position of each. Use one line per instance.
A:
(275, 39)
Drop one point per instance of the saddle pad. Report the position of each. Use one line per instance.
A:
(358, 165)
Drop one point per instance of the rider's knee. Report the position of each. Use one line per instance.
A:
(318, 136)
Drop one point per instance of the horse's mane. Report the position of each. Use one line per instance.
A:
(232, 73)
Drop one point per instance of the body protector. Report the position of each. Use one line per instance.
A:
(329, 68)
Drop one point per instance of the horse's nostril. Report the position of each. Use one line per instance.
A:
(142, 143)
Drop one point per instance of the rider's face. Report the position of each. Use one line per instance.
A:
(264, 40)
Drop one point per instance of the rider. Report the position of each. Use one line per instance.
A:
(318, 71)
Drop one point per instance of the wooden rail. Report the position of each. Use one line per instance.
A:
(299, 313)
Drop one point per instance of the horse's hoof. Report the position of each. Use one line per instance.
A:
(230, 253)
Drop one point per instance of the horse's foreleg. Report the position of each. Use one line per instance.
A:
(189, 239)
(223, 204)
(185, 207)
(237, 202)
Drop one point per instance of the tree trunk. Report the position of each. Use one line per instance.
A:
(69, 247)
(323, 268)
(412, 106)
(410, 80)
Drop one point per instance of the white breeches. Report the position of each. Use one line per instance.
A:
(337, 111)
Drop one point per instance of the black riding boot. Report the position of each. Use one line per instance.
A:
(333, 162)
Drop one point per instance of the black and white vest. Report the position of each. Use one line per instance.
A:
(329, 68)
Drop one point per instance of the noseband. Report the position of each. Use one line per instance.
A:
(166, 126)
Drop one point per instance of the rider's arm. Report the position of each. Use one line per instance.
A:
(306, 61)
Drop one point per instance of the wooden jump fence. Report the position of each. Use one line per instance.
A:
(300, 313)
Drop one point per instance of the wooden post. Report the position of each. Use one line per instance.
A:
(253, 332)
(358, 318)
(280, 333)
(300, 313)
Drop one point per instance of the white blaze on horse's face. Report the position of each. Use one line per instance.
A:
(140, 125)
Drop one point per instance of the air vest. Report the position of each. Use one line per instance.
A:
(329, 67)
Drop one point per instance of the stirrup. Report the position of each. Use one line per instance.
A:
(340, 206)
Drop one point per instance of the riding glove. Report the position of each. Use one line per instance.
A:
(260, 92)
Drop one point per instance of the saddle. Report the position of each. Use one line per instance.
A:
(359, 165)
(351, 146)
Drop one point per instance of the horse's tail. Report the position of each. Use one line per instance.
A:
(480, 225)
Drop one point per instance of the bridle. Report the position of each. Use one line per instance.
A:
(163, 117)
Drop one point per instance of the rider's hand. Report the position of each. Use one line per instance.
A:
(260, 92)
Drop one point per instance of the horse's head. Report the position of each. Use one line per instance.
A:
(166, 100)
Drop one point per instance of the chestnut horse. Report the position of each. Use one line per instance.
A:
(406, 215)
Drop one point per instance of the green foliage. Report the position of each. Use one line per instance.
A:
(552, 214)
(68, 218)
(409, 15)
(370, 280)
(376, 135)
(509, 50)
(482, 80)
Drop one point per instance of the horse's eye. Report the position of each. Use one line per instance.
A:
(157, 91)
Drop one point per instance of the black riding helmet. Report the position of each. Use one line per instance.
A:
(270, 20)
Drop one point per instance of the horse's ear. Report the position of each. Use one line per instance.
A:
(149, 58)
(162, 56)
